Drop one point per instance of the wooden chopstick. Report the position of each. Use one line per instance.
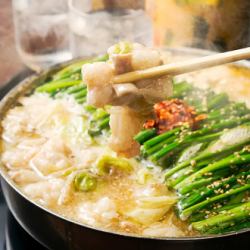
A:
(184, 67)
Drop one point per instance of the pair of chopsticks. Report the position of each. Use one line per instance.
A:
(184, 67)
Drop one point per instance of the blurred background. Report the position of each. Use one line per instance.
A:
(37, 34)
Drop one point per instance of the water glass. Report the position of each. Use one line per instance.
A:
(41, 30)
(97, 24)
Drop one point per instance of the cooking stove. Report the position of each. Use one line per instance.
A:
(12, 235)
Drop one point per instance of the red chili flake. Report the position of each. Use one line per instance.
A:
(149, 124)
(173, 113)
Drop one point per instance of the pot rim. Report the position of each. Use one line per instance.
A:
(32, 81)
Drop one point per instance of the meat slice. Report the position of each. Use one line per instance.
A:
(124, 124)
(132, 102)
(98, 77)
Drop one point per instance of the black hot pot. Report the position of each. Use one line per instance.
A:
(56, 232)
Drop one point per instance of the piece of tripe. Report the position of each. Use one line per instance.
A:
(133, 101)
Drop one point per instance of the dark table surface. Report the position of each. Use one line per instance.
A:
(3, 215)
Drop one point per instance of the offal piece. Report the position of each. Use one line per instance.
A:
(132, 102)
(98, 77)
(127, 57)
(173, 113)
(124, 124)
(123, 58)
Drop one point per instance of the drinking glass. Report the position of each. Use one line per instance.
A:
(41, 31)
(97, 24)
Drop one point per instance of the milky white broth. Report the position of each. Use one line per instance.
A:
(44, 143)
